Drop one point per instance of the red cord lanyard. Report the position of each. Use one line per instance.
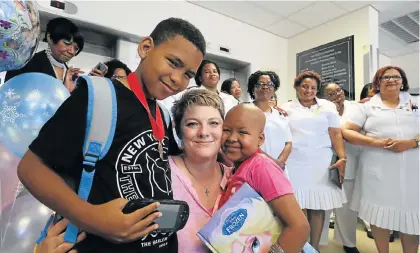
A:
(157, 125)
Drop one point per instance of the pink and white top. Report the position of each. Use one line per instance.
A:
(262, 174)
(188, 241)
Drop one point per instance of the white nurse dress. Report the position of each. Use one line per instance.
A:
(309, 161)
(389, 181)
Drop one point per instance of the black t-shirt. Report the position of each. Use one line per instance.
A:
(132, 168)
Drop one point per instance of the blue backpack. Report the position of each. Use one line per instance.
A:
(100, 129)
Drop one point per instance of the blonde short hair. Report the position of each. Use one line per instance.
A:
(200, 97)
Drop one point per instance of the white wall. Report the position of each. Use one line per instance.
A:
(410, 64)
(247, 43)
(127, 52)
(358, 23)
(384, 60)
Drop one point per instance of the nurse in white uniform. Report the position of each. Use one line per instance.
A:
(278, 139)
(345, 218)
(389, 163)
(315, 127)
(208, 76)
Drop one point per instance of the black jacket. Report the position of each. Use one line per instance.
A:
(39, 63)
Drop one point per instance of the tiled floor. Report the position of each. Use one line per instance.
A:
(364, 244)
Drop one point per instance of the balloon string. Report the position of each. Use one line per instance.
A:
(19, 188)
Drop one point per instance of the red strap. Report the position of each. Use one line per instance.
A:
(157, 125)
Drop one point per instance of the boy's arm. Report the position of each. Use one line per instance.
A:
(106, 220)
(57, 151)
(51, 190)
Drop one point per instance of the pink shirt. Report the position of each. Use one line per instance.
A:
(262, 174)
(188, 241)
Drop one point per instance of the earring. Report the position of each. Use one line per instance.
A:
(402, 87)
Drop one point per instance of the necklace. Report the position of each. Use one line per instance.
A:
(206, 191)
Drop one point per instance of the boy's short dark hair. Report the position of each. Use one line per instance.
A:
(169, 28)
(62, 28)
(115, 64)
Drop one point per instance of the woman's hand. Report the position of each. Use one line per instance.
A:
(281, 163)
(71, 76)
(381, 143)
(118, 227)
(54, 241)
(400, 145)
(341, 166)
(97, 72)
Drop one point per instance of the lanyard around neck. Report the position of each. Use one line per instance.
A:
(157, 125)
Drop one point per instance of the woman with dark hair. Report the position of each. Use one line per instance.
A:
(262, 86)
(208, 76)
(345, 218)
(367, 93)
(315, 127)
(64, 42)
(117, 70)
(389, 162)
(232, 87)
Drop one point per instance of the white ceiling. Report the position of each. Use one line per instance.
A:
(287, 19)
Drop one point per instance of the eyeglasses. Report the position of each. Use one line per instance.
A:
(71, 43)
(260, 85)
(118, 77)
(388, 78)
(334, 93)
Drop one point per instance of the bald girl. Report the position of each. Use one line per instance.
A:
(243, 132)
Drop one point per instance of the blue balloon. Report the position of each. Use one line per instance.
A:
(27, 101)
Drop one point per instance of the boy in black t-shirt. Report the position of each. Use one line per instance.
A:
(170, 57)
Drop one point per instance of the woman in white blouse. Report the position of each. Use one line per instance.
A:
(345, 218)
(278, 139)
(208, 76)
(315, 127)
(389, 163)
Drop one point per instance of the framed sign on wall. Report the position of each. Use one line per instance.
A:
(334, 61)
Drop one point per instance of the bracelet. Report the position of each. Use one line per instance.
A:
(275, 248)
(343, 159)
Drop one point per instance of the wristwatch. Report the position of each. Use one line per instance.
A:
(275, 248)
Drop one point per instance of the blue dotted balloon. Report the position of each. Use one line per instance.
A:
(27, 101)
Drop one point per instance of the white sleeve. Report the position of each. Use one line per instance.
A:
(229, 102)
(356, 115)
(332, 115)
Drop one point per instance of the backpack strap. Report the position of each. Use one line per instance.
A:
(100, 129)
(44, 231)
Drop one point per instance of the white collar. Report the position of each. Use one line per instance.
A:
(53, 61)
(404, 97)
